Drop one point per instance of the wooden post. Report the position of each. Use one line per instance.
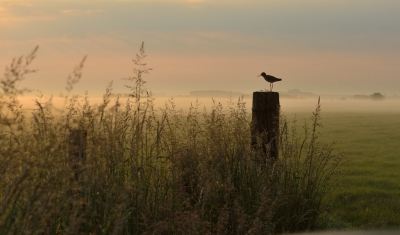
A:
(77, 159)
(265, 126)
(77, 151)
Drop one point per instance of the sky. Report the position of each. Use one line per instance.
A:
(324, 47)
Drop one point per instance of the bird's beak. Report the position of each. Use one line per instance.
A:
(259, 75)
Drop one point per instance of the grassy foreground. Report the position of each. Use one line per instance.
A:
(127, 168)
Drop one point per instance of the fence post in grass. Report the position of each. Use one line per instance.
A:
(77, 152)
(77, 157)
(265, 126)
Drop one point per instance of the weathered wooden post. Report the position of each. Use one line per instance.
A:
(77, 158)
(265, 126)
(77, 151)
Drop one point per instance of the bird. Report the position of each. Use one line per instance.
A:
(270, 79)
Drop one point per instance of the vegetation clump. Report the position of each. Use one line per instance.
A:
(127, 168)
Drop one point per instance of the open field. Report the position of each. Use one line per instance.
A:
(368, 192)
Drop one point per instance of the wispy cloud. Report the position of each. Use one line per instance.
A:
(69, 11)
(78, 11)
(9, 19)
(94, 11)
(20, 12)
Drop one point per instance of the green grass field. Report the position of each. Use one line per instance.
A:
(367, 194)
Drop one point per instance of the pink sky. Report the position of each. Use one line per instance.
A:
(329, 47)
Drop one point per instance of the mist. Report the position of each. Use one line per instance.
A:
(288, 105)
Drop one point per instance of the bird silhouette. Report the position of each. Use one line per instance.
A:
(270, 79)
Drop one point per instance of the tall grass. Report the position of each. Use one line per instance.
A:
(149, 171)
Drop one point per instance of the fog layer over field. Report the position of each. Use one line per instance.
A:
(287, 105)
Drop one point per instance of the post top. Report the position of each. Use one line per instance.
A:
(269, 92)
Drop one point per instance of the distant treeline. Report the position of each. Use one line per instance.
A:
(291, 94)
(294, 94)
(216, 93)
(375, 96)
(297, 94)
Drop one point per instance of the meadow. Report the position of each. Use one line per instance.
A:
(134, 166)
(367, 193)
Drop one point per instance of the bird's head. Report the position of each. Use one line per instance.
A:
(262, 74)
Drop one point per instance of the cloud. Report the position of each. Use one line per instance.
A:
(94, 11)
(78, 11)
(69, 11)
(9, 19)
(19, 12)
